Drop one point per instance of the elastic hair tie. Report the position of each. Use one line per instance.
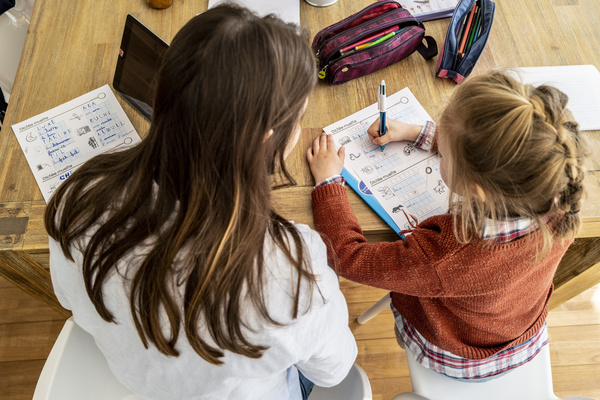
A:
(572, 212)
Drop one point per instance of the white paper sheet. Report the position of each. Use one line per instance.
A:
(287, 10)
(405, 180)
(580, 82)
(58, 141)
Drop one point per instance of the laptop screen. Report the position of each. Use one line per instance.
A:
(139, 59)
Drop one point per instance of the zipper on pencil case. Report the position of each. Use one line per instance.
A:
(411, 22)
(354, 28)
(323, 71)
(365, 11)
(364, 34)
(369, 60)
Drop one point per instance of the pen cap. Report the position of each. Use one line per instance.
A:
(381, 97)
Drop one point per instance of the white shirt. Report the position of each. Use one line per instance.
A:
(318, 343)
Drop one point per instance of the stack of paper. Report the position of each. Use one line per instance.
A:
(426, 10)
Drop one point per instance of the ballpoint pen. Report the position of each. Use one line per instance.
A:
(381, 101)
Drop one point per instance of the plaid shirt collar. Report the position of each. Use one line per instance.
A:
(509, 229)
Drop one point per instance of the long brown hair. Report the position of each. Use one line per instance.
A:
(522, 147)
(196, 192)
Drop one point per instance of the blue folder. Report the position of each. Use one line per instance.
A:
(364, 192)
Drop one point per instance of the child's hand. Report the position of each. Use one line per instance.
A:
(396, 131)
(323, 159)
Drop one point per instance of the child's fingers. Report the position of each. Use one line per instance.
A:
(330, 143)
(316, 145)
(309, 154)
(342, 153)
(382, 140)
(373, 130)
(323, 141)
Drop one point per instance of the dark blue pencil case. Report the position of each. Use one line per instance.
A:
(453, 65)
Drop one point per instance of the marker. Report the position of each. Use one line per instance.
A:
(461, 31)
(473, 34)
(369, 39)
(382, 109)
(467, 30)
(376, 41)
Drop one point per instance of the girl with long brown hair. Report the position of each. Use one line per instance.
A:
(171, 253)
(470, 288)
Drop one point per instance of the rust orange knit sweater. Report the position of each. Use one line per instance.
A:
(470, 299)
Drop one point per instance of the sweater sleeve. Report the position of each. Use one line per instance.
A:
(406, 267)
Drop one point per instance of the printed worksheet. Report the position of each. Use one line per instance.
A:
(405, 180)
(58, 141)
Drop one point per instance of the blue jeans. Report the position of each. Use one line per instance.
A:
(306, 386)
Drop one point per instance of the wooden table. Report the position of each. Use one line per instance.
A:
(72, 49)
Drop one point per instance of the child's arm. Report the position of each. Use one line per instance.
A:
(401, 266)
(396, 132)
(422, 136)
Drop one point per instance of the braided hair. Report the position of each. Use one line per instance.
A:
(549, 105)
(522, 147)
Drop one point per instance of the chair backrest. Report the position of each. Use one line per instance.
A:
(66, 377)
(76, 370)
(532, 380)
(355, 386)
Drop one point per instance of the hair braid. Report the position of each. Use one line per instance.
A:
(521, 145)
(572, 193)
(559, 121)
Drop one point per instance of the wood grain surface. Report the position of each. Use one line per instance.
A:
(72, 49)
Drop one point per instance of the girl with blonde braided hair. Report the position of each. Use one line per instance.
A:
(520, 147)
(470, 288)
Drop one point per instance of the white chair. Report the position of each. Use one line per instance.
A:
(532, 381)
(355, 386)
(76, 370)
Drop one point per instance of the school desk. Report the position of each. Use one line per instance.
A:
(72, 49)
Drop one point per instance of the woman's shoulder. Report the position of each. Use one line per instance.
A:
(282, 276)
(314, 251)
(311, 238)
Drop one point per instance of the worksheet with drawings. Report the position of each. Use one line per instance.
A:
(405, 180)
(59, 140)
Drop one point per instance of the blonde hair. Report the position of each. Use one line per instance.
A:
(522, 147)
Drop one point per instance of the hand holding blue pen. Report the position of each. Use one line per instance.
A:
(382, 109)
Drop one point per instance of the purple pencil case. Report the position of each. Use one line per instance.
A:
(340, 60)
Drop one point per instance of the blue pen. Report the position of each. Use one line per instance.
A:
(381, 101)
